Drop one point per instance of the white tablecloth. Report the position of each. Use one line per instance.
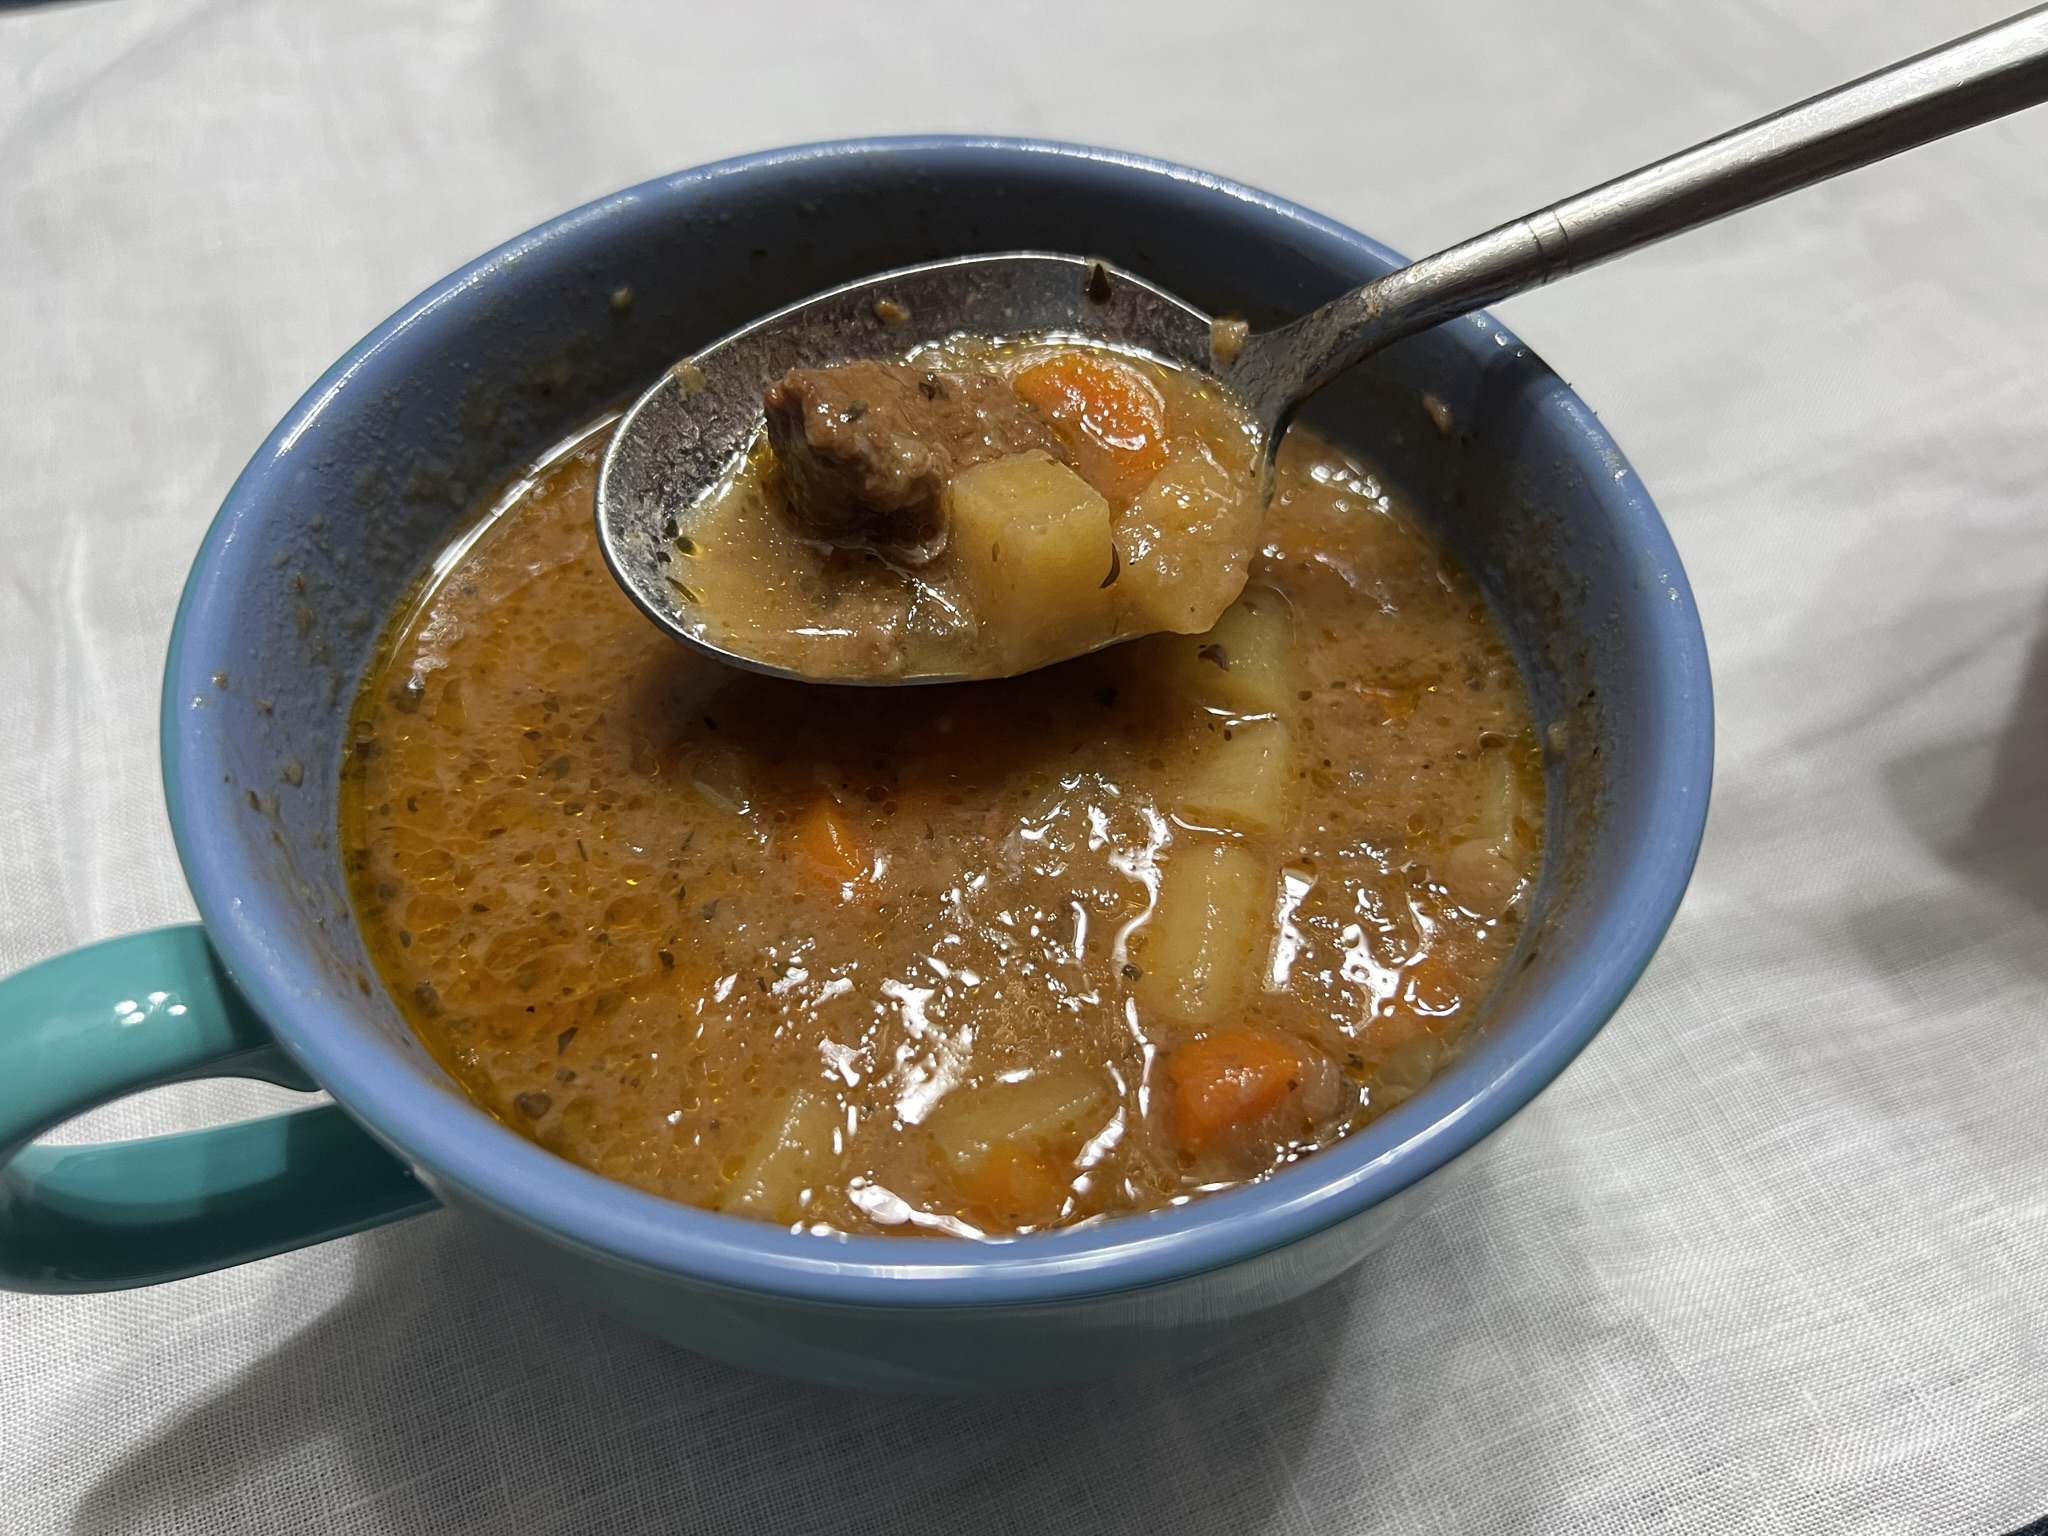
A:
(1772, 1256)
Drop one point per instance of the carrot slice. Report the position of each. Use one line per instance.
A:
(1012, 1187)
(1106, 410)
(1226, 1082)
(829, 844)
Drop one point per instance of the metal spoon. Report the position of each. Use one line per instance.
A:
(683, 434)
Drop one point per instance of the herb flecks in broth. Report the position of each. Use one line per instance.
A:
(978, 959)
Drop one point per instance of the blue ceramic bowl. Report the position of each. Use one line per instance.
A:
(375, 468)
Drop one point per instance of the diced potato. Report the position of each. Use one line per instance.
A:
(1056, 1109)
(794, 1152)
(1499, 803)
(720, 777)
(1481, 868)
(1479, 879)
(1244, 782)
(1432, 987)
(1184, 546)
(1249, 663)
(1030, 539)
(1208, 933)
(1407, 1069)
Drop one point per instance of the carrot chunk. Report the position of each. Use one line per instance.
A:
(1014, 1186)
(1429, 1001)
(1110, 414)
(1227, 1082)
(829, 845)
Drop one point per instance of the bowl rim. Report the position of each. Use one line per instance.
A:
(457, 1145)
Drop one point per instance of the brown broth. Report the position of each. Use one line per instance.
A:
(639, 905)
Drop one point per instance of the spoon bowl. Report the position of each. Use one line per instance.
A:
(690, 429)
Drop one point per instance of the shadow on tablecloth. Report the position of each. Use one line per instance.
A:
(1982, 806)
(451, 1392)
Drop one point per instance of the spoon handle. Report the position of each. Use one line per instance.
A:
(1959, 85)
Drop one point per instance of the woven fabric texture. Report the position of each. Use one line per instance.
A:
(1773, 1256)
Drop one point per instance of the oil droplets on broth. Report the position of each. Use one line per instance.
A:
(970, 960)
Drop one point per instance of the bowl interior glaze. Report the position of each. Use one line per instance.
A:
(378, 465)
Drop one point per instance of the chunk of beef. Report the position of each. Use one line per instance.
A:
(867, 449)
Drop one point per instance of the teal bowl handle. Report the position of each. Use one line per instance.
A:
(134, 1013)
